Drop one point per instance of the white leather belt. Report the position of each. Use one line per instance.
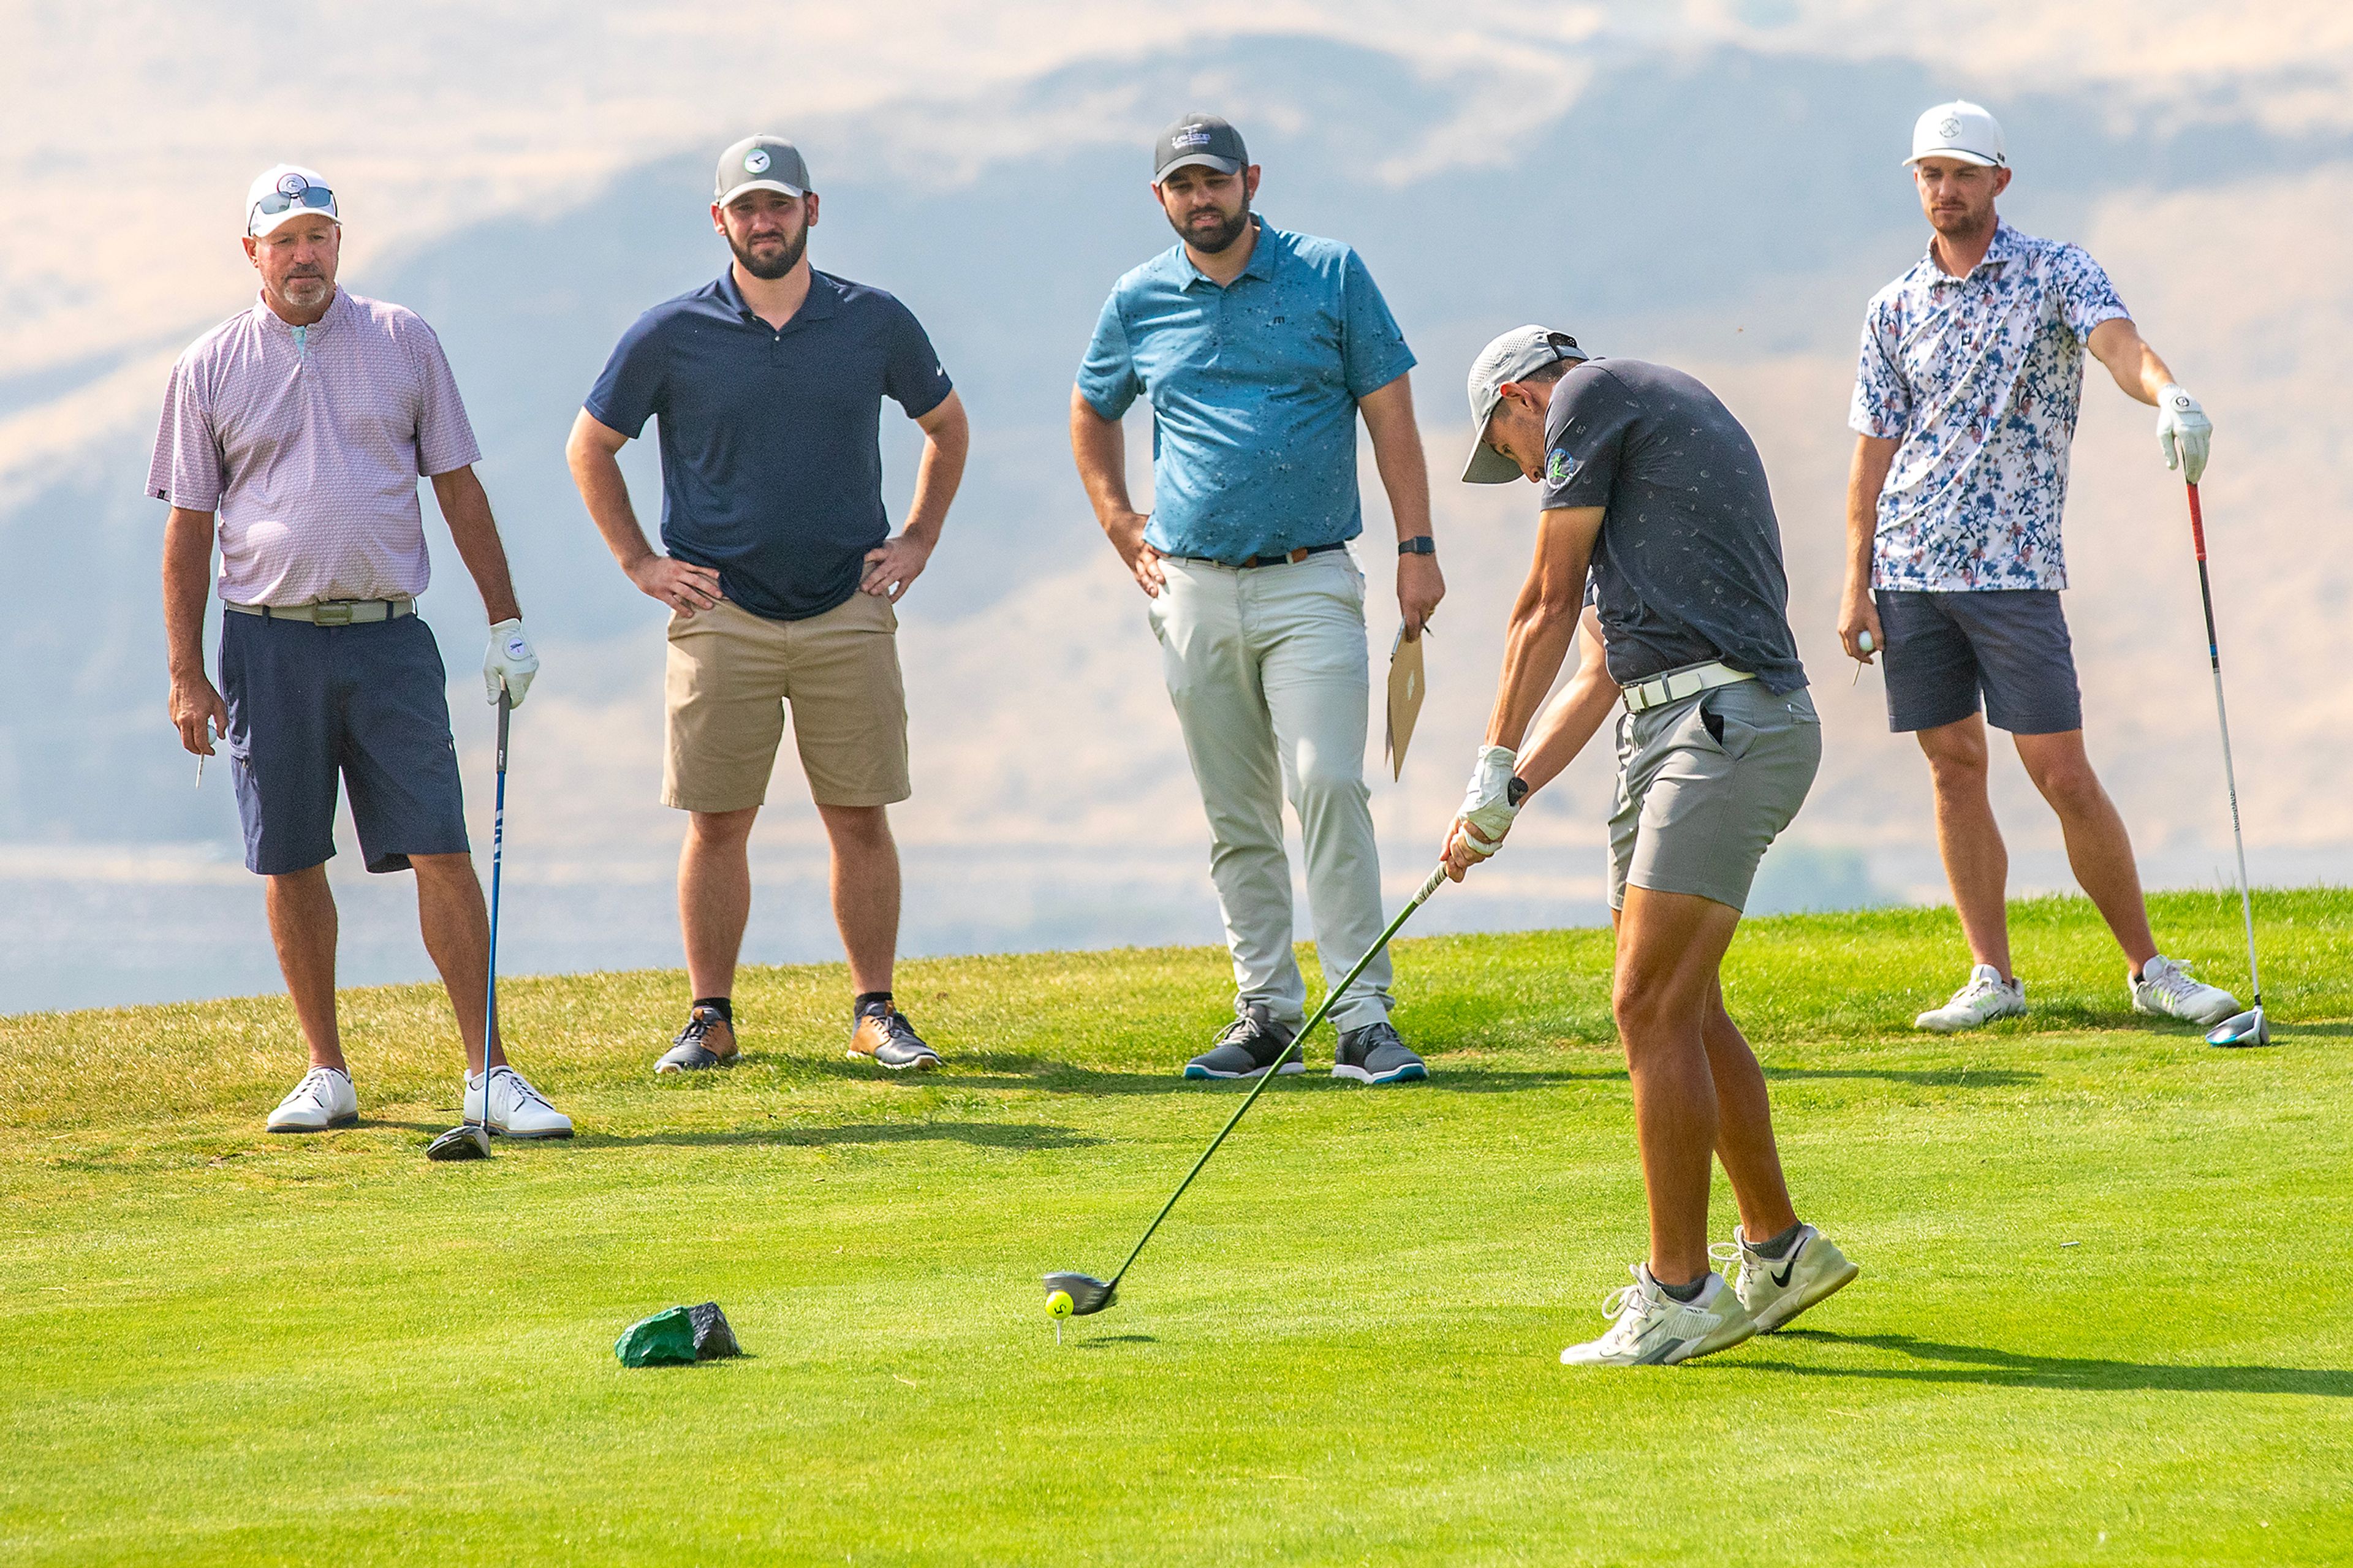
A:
(1678, 684)
(332, 612)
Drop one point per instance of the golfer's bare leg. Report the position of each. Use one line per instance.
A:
(865, 891)
(2099, 850)
(1744, 1126)
(303, 927)
(456, 928)
(714, 896)
(1977, 863)
(1669, 945)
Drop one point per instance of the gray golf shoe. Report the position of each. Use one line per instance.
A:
(707, 1041)
(884, 1033)
(1248, 1046)
(1376, 1055)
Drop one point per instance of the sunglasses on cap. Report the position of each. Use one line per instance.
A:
(314, 197)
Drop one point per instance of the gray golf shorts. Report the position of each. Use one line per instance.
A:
(1704, 785)
(2012, 644)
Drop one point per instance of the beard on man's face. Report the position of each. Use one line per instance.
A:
(1208, 238)
(773, 264)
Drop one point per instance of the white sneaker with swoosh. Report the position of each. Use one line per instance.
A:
(1652, 1329)
(1986, 997)
(2164, 988)
(1775, 1290)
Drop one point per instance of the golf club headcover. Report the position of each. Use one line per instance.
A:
(1488, 806)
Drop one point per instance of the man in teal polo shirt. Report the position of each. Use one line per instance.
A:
(1258, 348)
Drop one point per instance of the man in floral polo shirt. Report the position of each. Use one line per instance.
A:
(1965, 402)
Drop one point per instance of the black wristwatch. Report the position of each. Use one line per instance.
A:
(1420, 544)
(1516, 791)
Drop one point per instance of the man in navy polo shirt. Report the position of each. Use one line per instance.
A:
(1258, 348)
(780, 572)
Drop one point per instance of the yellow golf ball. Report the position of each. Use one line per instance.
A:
(1060, 1304)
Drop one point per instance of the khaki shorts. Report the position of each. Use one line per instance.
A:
(1704, 785)
(732, 673)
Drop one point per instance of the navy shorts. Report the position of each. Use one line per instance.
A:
(2011, 643)
(309, 705)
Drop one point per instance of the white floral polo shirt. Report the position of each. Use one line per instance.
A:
(1979, 378)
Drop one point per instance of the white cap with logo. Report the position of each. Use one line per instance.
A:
(1958, 130)
(284, 191)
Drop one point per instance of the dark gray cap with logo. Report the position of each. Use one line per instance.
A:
(1198, 140)
(760, 163)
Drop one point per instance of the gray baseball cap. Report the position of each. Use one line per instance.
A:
(1518, 353)
(1198, 138)
(760, 163)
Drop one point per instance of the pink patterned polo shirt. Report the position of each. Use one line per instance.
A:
(309, 443)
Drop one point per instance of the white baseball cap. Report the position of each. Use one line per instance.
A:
(286, 191)
(1958, 130)
(1518, 353)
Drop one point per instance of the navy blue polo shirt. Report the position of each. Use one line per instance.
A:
(771, 453)
(1254, 388)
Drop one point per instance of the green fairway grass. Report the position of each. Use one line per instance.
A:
(2104, 1313)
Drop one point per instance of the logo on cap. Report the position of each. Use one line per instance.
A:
(1949, 128)
(1193, 136)
(293, 185)
(756, 161)
(1560, 467)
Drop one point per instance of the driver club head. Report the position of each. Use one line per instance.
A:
(2247, 1028)
(466, 1142)
(1087, 1294)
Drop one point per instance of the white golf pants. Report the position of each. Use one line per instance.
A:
(1267, 669)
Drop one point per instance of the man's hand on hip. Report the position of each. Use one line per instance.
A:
(1420, 586)
(510, 664)
(894, 564)
(1126, 534)
(683, 585)
(2184, 433)
(1488, 807)
(198, 713)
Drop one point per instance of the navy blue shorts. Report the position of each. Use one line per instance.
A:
(2011, 643)
(309, 704)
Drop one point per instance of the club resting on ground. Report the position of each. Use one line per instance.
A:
(467, 1140)
(2250, 1028)
(1087, 1294)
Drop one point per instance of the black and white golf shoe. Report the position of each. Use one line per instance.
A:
(1248, 1046)
(1375, 1055)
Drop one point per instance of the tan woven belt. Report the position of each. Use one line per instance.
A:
(332, 612)
(1678, 684)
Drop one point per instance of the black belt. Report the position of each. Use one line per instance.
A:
(1289, 558)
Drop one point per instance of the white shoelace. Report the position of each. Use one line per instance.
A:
(523, 1092)
(1731, 1252)
(319, 1083)
(2174, 981)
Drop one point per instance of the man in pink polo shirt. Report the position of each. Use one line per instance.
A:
(300, 428)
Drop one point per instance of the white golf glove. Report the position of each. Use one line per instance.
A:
(2183, 432)
(510, 664)
(1488, 806)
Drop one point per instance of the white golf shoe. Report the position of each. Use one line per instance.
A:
(517, 1110)
(324, 1099)
(1986, 997)
(2164, 987)
(1653, 1329)
(1775, 1290)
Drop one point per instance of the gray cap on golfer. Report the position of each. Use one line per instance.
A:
(1198, 138)
(760, 163)
(1520, 352)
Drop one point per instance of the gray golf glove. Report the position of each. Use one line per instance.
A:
(510, 664)
(1488, 806)
(2183, 432)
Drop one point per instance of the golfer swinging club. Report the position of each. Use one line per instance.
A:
(1258, 348)
(1654, 489)
(781, 573)
(302, 427)
(1965, 402)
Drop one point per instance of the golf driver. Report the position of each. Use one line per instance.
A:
(1082, 1295)
(2247, 1028)
(468, 1140)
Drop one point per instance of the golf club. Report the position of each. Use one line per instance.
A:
(468, 1141)
(1082, 1295)
(2247, 1028)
